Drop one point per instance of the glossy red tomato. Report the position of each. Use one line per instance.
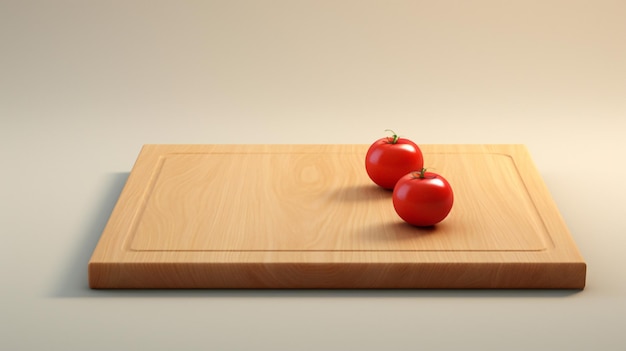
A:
(423, 198)
(388, 159)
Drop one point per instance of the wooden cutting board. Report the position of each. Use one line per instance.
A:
(308, 216)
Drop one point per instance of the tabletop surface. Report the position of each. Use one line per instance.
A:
(85, 84)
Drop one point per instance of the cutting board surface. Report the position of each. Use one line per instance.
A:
(293, 216)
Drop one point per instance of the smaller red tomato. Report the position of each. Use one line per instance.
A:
(388, 159)
(423, 198)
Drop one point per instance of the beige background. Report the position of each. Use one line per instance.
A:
(83, 84)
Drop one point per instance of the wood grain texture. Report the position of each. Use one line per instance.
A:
(307, 216)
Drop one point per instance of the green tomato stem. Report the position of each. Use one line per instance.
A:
(394, 137)
(421, 174)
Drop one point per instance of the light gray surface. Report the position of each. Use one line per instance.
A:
(83, 84)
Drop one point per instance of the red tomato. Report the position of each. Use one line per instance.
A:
(422, 198)
(388, 159)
